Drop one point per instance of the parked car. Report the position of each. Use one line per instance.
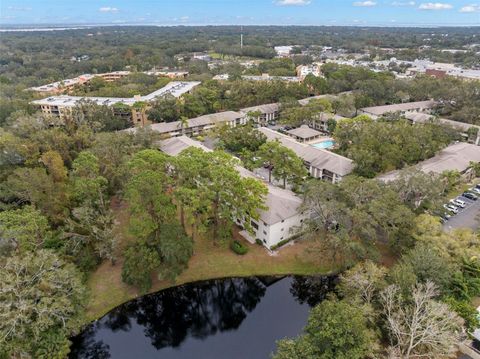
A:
(451, 208)
(478, 185)
(470, 196)
(458, 202)
(475, 190)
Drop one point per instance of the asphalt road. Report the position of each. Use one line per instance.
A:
(468, 217)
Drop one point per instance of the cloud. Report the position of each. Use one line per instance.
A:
(108, 9)
(19, 8)
(435, 6)
(470, 8)
(184, 18)
(292, 2)
(367, 3)
(403, 3)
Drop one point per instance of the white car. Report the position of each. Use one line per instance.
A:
(451, 208)
(458, 202)
(475, 190)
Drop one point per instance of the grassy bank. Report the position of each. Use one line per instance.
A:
(209, 261)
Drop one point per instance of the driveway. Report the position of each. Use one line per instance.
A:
(468, 217)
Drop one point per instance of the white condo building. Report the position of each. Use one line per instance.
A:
(282, 218)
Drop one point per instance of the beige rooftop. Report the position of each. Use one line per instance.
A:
(455, 157)
(304, 132)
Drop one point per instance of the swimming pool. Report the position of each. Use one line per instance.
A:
(324, 144)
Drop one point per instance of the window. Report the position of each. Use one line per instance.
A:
(264, 232)
(282, 229)
(283, 220)
(254, 225)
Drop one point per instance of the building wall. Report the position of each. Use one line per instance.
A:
(270, 235)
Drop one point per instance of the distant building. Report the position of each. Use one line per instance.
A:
(305, 70)
(439, 69)
(202, 57)
(221, 77)
(114, 76)
(64, 85)
(172, 74)
(320, 163)
(417, 117)
(267, 113)
(401, 108)
(267, 77)
(62, 105)
(283, 51)
(280, 221)
(198, 125)
(439, 74)
(456, 157)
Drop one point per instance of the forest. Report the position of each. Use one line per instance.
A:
(77, 194)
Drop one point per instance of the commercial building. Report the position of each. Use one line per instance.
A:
(456, 157)
(320, 163)
(280, 221)
(439, 69)
(401, 108)
(62, 105)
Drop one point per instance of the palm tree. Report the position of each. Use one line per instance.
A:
(183, 123)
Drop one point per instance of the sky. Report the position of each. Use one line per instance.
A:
(246, 12)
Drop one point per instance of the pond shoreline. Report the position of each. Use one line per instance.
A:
(209, 316)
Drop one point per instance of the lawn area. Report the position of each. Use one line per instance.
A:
(208, 262)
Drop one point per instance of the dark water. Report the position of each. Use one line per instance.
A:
(229, 318)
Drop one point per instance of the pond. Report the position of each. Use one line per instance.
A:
(226, 318)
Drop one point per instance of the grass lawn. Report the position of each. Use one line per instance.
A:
(208, 262)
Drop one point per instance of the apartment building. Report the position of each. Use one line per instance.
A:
(62, 105)
(172, 74)
(62, 86)
(198, 125)
(113, 76)
(305, 70)
(320, 163)
(268, 113)
(465, 128)
(456, 157)
(280, 221)
(378, 111)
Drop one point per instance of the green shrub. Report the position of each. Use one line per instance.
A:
(281, 243)
(238, 248)
(259, 242)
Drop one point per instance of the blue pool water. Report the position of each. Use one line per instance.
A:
(324, 144)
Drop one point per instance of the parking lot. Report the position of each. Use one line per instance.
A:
(468, 217)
